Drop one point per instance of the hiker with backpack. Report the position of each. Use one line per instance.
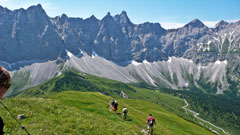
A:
(150, 122)
(124, 111)
(111, 104)
(4, 85)
(115, 106)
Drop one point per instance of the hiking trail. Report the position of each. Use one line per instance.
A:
(195, 114)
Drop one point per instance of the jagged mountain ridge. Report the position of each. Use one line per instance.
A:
(115, 38)
(30, 36)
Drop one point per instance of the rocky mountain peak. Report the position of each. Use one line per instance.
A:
(37, 7)
(37, 12)
(196, 23)
(222, 24)
(107, 18)
(108, 14)
(3, 10)
(123, 19)
(92, 17)
(64, 16)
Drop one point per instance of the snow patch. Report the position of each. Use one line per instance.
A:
(169, 59)
(209, 42)
(14, 29)
(225, 62)
(146, 62)
(94, 54)
(144, 50)
(208, 48)
(44, 31)
(216, 39)
(69, 53)
(62, 37)
(220, 62)
(135, 63)
(81, 51)
(190, 61)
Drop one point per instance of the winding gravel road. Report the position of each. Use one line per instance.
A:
(196, 116)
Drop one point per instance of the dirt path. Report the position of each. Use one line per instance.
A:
(196, 116)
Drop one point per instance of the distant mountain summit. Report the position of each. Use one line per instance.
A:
(195, 23)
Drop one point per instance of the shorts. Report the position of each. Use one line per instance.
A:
(150, 126)
(114, 109)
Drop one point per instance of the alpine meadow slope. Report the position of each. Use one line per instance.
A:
(90, 115)
(210, 107)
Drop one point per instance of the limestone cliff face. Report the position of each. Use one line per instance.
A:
(31, 35)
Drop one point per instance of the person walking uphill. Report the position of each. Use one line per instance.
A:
(4, 85)
(115, 106)
(150, 122)
(124, 111)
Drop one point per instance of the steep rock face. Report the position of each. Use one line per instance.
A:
(31, 35)
(28, 35)
(77, 33)
(110, 42)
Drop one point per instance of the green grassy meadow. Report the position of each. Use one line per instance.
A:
(80, 113)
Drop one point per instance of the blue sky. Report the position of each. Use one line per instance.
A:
(169, 13)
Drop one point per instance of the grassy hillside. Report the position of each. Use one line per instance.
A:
(84, 82)
(82, 113)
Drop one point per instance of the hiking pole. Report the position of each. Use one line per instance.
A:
(22, 127)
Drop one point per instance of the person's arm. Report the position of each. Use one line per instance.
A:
(154, 122)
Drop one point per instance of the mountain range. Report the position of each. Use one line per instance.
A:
(36, 47)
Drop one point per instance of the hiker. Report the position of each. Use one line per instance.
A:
(113, 102)
(4, 85)
(110, 105)
(124, 111)
(115, 106)
(150, 122)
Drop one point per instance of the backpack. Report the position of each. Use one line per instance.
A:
(116, 104)
(125, 110)
(113, 102)
(150, 122)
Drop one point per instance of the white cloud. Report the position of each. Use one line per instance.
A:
(233, 21)
(172, 25)
(210, 24)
